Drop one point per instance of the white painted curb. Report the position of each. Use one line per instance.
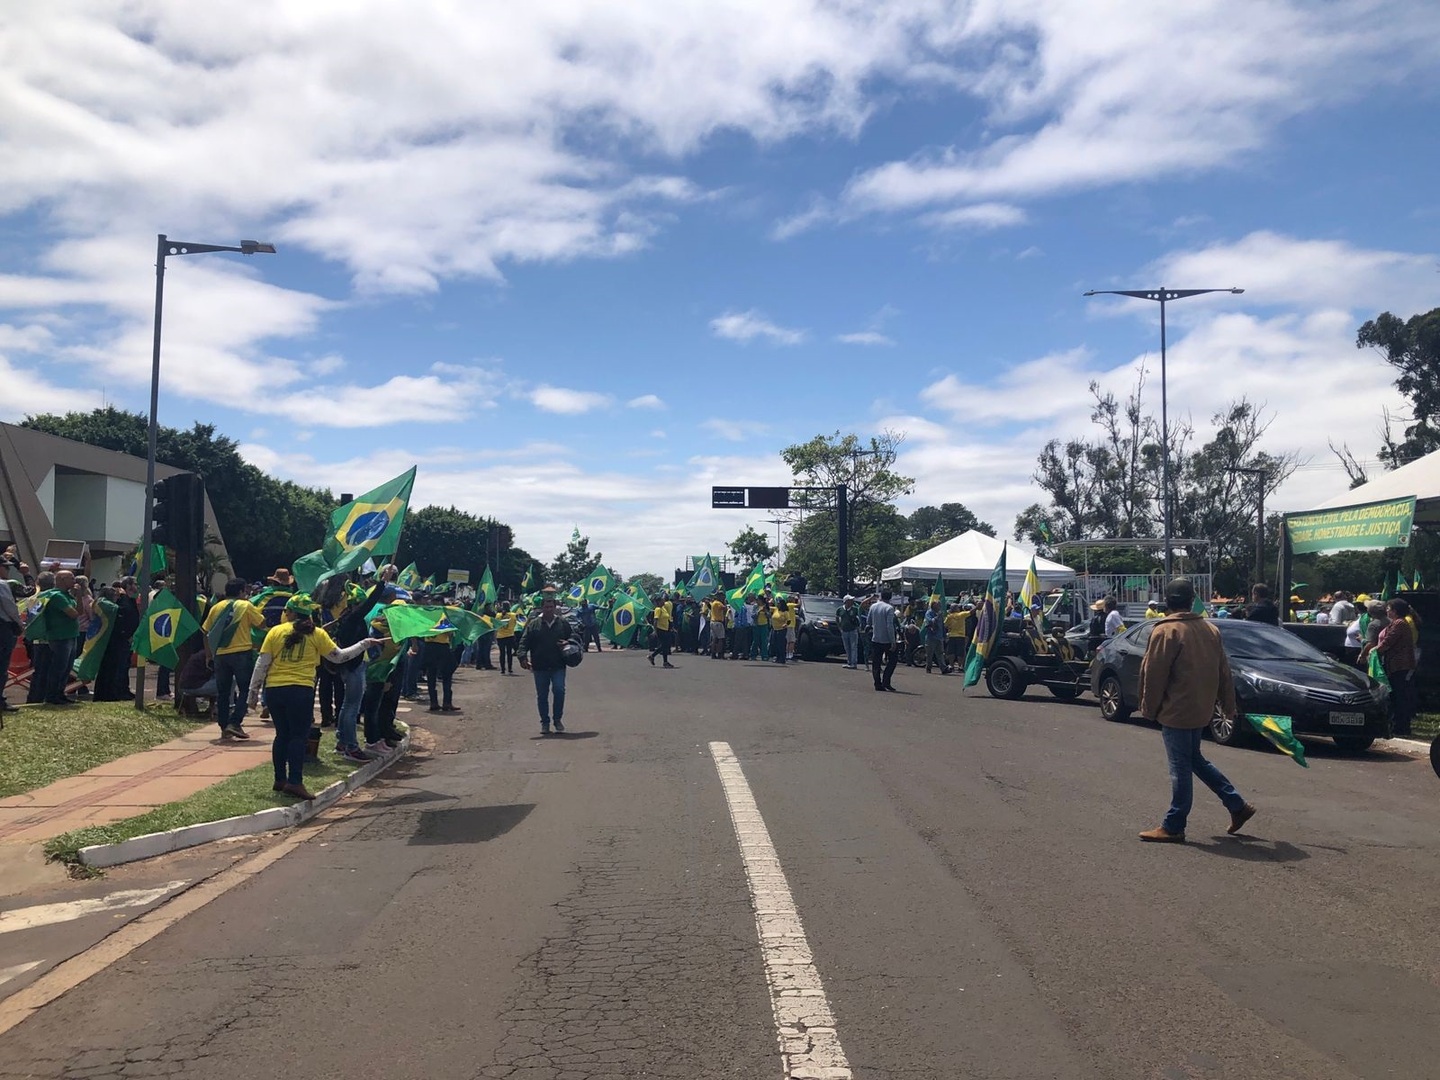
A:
(277, 817)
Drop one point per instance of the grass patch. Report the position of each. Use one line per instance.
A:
(45, 743)
(1426, 725)
(243, 793)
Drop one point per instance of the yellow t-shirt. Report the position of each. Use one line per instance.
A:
(663, 614)
(505, 624)
(955, 623)
(247, 618)
(295, 666)
(717, 611)
(780, 620)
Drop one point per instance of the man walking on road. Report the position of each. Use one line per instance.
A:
(848, 618)
(1183, 677)
(542, 653)
(883, 656)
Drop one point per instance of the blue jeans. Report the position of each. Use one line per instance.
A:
(62, 656)
(545, 683)
(1182, 748)
(232, 686)
(851, 639)
(347, 720)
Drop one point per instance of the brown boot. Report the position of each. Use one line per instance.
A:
(1160, 836)
(1239, 817)
(298, 790)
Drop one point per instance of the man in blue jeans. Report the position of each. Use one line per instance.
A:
(1184, 676)
(542, 652)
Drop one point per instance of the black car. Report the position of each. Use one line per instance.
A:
(817, 634)
(1274, 671)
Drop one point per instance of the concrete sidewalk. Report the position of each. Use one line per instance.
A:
(130, 785)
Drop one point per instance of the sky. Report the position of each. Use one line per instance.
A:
(582, 261)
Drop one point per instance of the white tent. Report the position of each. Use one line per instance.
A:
(1420, 478)
(972, 556)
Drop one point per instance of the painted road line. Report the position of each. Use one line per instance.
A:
(48, 914)
(809, 1044)
(6, 974)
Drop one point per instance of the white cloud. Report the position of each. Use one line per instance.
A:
(735, 430)
(446, 394)
(990, 215)
(558, 399)
(746, 326)
(1070, 91)
(864, 337)
(646, 401)
(24, 392)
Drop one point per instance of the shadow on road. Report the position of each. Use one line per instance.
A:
(1253, 849)
(564, 735)
(469, 825)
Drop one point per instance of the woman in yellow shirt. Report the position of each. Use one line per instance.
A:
(285, 670)
(781, 619)
(505, 637)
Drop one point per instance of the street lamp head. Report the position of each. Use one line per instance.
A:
(1237, 292)
(255, 247)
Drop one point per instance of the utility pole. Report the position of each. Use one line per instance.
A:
(1259, 575)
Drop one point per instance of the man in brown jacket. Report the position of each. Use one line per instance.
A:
(1183, 677)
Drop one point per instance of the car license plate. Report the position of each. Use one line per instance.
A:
(1347, 719)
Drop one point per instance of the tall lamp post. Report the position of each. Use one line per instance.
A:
(1263, 474)
(777, 522)
(164, 248)
(1162, 296)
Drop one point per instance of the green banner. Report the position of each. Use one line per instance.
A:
(1353, 528)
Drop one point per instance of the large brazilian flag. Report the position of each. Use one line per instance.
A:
(706, 578)
(425, 621)
(166, 626)
(599, 584)
(987, 625)
(485, 592)
(626, 617)
(97, 636)
(369, 526)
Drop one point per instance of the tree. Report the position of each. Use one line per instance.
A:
(750, 547)
(878, 532)
(931, 525)
(437, 539)
(575, 562)
(1412, 348)
(265, 522)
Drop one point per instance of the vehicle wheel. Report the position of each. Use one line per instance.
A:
(1004, 682)
(1227, 731)
(1065, 693)
(1358, 744)
(1112, 699)
(802, 647)
(1435, 754)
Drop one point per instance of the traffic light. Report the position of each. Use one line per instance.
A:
(179, 514)
(166, 513)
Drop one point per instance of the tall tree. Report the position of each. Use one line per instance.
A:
(935, 524)
(1412, 348)
(648, 582)
(877, 529)
(750, 547)
(574, 563)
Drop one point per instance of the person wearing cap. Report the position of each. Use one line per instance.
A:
(848, 618)
(285, 670)
(1184, 678)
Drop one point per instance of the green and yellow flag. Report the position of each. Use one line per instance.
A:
(409, 578)
(485, 592)
(938, 591)
(706, 578)
(626, 617)
(987, 626)
(1031, 589)
(97, 636)
(531, 581)
(1278, 730)
(369, 526)
(599, 584)
(166, 626)
(426, 621)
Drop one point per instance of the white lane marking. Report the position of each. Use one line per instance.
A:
(49, 914)
(6, 974)
(809, 1044)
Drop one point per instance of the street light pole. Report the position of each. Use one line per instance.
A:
(777, 522)
(1259, 574)
(1163, 295)
(165, 247)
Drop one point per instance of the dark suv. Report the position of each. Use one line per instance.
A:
(1274, 672)
(817, 633)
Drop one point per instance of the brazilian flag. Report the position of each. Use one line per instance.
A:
(706, 578)
(532, 580)
(626, 617)
(987, 626)
(938, 592)
(485, 593)
(97, 636)
(756, 580)
(1278, 730)
(599, 584)
(409, 578)
(166, 626)
(424, 621)
(369, 526)
(575, 593)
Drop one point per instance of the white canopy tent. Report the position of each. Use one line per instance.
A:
(1420, 478)
(972, 556)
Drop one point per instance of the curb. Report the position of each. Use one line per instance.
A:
(99, 856)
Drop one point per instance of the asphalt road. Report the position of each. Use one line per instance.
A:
(973, 894)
